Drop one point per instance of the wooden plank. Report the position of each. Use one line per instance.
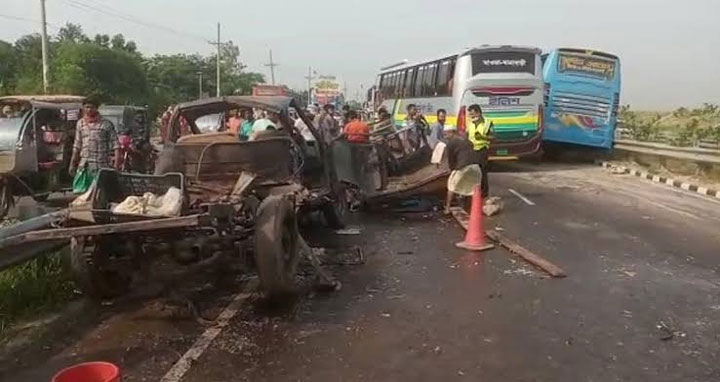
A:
(102, 229)
(553, 270)
(532, 258)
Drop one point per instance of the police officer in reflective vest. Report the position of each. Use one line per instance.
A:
(480, 132)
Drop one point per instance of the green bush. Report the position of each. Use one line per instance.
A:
(36, 286)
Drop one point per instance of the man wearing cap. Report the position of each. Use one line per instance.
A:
(462, 160)
(95, 139)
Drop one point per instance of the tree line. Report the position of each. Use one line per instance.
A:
(112, 69)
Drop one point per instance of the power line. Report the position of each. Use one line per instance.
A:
(105, 10)
(18, 18)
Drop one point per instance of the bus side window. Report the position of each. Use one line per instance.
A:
(444, 78)
(400, 83)
(381, 84)
(451, 75)
(419, 77)
(409, 77)
(429, 82)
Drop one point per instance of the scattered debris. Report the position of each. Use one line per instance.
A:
(461, 373)
(618, 170)
(348, 231)
(519, 271)
(629, 273)
(396, 297)
(492, 206)
(405, 252)
(386, 315)
(667, 333)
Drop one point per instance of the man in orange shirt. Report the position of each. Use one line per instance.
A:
(356, 131)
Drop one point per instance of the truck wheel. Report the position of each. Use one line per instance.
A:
(336, 210)
(276, 246)
(103, 266)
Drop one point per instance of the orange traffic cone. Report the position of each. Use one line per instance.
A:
(475, 235)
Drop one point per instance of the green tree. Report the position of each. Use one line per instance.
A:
(8, 67)
(28, 77)
(71, 33)
(114, 75)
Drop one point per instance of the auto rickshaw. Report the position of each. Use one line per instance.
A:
(36, 141)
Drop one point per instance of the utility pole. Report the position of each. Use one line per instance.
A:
(218, 44)
(217, 90)
(309, 78)
(44, 48)
(272, 66)
(200, 88)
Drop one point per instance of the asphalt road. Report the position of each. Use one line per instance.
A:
(641, 301)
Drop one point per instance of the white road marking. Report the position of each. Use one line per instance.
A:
(521, 197)
(183, 365)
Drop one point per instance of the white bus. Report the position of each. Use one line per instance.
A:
(506, 81)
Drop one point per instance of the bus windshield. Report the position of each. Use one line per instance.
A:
(503, 62)
(586, 65)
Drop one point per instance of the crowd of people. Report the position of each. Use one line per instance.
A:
(466, 151)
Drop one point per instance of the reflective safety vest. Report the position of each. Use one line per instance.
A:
(479, 134)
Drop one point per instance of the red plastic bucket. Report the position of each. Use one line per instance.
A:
(89, 372)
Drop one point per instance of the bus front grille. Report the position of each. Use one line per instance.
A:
(588, 106)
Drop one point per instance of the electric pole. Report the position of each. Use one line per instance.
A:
(217, 43)
(200, 88)
(272, 66)
(44, 48)
(217, 90)
(309, 78)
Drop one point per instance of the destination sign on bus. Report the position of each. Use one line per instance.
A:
(503, 62)
(591, 66)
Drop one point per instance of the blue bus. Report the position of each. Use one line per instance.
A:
(582, 97)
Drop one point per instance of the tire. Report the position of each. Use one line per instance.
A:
(102, 266)
(335, 211)
(276, 246)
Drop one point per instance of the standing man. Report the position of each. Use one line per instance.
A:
(326, 123)
(384, 124)
(95, 139)
(436, 130)
(480, 132)
(356, 131)
(414, 118)
(462, 161)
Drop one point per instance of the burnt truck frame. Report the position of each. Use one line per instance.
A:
(240, 198)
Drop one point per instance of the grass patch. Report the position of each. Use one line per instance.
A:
(682, 127)
(34, 287)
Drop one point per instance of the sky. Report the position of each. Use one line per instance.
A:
(669, 49)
